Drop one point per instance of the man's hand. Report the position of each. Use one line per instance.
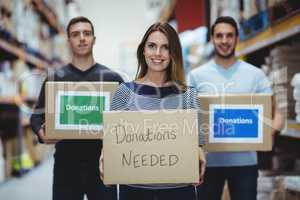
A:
(101, 167)
(42, 136)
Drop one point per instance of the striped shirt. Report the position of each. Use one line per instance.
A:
(134, 96)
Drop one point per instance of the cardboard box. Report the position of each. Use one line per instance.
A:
(148, 147)
(237, 122)
(74, 109)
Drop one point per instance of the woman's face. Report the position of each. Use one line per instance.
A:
(156, 52)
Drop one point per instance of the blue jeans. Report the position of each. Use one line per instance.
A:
(242, 183)
(131, 193)
(74, 179)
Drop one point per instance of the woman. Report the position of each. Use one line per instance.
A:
(159, 84)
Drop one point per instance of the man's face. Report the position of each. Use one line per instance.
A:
(224, 40)
(81, 39)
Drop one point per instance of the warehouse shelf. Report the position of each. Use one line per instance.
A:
(281, 30)
(292, 130)
(48, 15)
(22, 54)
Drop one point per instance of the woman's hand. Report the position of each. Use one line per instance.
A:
(101, 166)
(202, 166)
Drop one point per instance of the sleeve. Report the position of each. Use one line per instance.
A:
(110, 75)
(191, 80)
(263, 84)
(193, 104)
(120, 98)
(38, 116)
(118, 78)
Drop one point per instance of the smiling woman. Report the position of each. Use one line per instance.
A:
(159, 57)
(159, 84)
(157, 52)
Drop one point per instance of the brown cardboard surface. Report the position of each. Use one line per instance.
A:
(146, 147)
(250, 100)
(54, 89)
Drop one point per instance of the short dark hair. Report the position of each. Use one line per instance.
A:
(76, 20)
(226, 20)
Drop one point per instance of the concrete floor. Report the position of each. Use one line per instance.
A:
(35, 185)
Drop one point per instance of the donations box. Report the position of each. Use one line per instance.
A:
(74, 110)
(237, 122)
(149, 147)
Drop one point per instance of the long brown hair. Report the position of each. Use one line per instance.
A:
(175, 71)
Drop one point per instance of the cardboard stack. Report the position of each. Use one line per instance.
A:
(296, 94)
(292, 183)
(274, 187)
(286, 188)
(265, 187)
(284, 62)
(5, 15)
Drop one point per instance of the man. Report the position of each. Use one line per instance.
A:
(76, 161)
(226, 74)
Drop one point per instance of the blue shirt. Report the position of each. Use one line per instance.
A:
(241, 77)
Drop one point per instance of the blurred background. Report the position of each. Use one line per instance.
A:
(33, 41)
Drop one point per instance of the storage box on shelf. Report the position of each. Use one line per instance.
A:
(296, 94)
(60, 10)
(11, 49)
(250, 8)
(287, 27)
(278, 187)
(48, 15)
(287, 188)
(6, 14)
(257, 23)
(224, 8)
(265, 186)
(284, 63)
(26, 23)
(59, 49)
(283, 9)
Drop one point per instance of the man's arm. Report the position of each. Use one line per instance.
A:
(264, 86)
(37, 119)
(278, 118)
(190, 80)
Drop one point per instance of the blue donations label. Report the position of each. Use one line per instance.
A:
(236, 122)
